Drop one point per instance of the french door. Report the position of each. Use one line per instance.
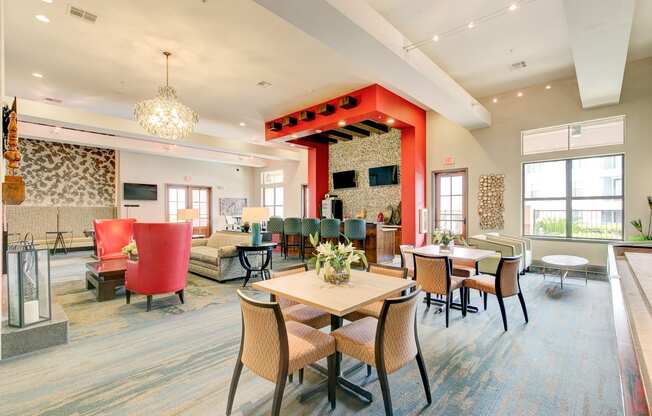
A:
(194, 197)
(450, 200)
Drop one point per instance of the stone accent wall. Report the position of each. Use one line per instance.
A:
(61, 174)
(360, 154)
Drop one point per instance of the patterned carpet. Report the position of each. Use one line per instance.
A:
(178, 359)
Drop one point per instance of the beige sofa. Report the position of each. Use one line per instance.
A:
(216, 257)
(508, 246)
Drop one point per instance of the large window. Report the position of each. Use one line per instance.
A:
(450, 201)
(574, 198)
(195, 197)
(271, 191)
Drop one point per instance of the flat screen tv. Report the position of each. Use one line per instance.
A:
(139, 192)
(345, 179)
(383, 175)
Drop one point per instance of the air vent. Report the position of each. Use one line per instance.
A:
(82, 14)
(576, 130)
(52, 100)
(519, 65)
(264, 84)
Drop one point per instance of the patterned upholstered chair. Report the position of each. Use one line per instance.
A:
(275, 227)
(309, 226)
(356, 230)
(433, 274)
(387, 343)
(330, 229)
(504, 285)
(291, 228)
(374, 309)
(407, 259)
(273, 348)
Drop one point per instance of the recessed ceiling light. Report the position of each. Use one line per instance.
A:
(37, 75)
(495, 100)
(548, 87)
(513, 7)
(519, 94)
(318, 131)
(42, 18)
(390, 121)
(47, 1)
(294, 136)
(435, 38)
(242, 124)
(292, 145)
(341, 123)
(471, 25)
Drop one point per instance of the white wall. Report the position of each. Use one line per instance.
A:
(497, 149)
(295, 174)
(224, 180)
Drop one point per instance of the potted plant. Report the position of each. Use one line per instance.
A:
(442, 238)
(333, 261)
(638, 225)
(131, 250)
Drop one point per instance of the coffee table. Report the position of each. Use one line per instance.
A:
(565, 264)
(104, 277)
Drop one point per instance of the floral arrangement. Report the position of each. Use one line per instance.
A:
(130, 249)
(445, 237)
(333, 261)
(638, 224)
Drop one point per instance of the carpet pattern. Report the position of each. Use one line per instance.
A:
(178, 359)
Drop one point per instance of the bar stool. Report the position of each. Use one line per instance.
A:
(275, 226)
(291, 228)
(309, 226)
(330, 229)
(356, 230)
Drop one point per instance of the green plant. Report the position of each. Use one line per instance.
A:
(130, 249)
(443, 237)
(638, 225)
(335, 260)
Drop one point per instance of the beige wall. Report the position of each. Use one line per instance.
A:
(295, 174)
(497, 149)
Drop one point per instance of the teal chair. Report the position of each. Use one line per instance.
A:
(291, 228)
(275, 226)
(309, 226)
(330, 229)
(356, 230)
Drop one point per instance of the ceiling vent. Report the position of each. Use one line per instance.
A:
(52, 100)
(576, 130)
(518, 65)
(82, 14)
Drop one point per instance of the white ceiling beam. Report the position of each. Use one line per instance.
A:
(54, 115)
(376, 48)
(599, 37)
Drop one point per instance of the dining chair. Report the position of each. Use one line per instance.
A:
(373, 309)
(275, 226)
(291, 228)
(433, 274)
(387, 343)
(407, 259)
(506, 283)
(330, 230)
(272, 348)
(309, 226)
(356, 230)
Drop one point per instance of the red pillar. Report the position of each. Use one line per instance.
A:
(317, 175)
(413, 182)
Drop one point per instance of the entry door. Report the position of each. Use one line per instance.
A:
(196, 197)
(451, 201)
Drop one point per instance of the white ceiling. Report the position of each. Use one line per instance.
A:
(221, 49)
(480, 59)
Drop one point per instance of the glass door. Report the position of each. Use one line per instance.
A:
(450, 201)
(195, 197)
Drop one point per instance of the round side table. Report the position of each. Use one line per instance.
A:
(565, 264)
(265, 250)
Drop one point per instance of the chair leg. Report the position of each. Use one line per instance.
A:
(332, 379)
(463, 298)
(522, 300)
(290, 377)
(278, 396)
(484, 295)
(180, 293)
(502, 310)
(234, 385)
(428, 299)
(368, 370)
(384, 387)
(128, 296)
(149, 303)
(424, 377)
(301, 376)
(448, 304)
(302, 246)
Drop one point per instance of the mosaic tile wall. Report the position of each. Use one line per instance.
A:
(361, 154)
(61, 174)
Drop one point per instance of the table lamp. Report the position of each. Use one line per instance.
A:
(189, 214)
(254, 216)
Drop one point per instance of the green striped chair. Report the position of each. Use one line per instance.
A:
(275, 226)
(356, 230)
(309, 226)
(291, 228)
(330, 229)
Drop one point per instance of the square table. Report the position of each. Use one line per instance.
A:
(338, 300)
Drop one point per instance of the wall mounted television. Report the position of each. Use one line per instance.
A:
(139, 192)
(383, 175)
(345, 179)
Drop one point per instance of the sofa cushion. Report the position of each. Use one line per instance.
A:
(227, 238)
(205, 254)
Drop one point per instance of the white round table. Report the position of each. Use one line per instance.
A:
(565, 264)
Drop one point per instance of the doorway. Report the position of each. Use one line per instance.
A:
(195, 197)
(450, 200)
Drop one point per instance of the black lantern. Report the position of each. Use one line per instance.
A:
(28, 284)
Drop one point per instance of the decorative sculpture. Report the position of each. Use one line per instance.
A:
(490, 202)
(13, 188)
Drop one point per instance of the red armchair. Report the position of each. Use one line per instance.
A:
(163, 256)
(111, 236)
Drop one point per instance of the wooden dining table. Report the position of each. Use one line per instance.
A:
(465, 254)
(338, 300)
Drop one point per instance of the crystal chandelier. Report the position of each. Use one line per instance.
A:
(165, 116)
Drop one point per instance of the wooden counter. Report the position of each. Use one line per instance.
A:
(380, 245)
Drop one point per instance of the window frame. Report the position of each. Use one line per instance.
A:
(272, 186)
(569, 198)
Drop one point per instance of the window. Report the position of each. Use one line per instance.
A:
(586, 134)
(450, 201)
(574, 198)
(184, 197)
(271, 191)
